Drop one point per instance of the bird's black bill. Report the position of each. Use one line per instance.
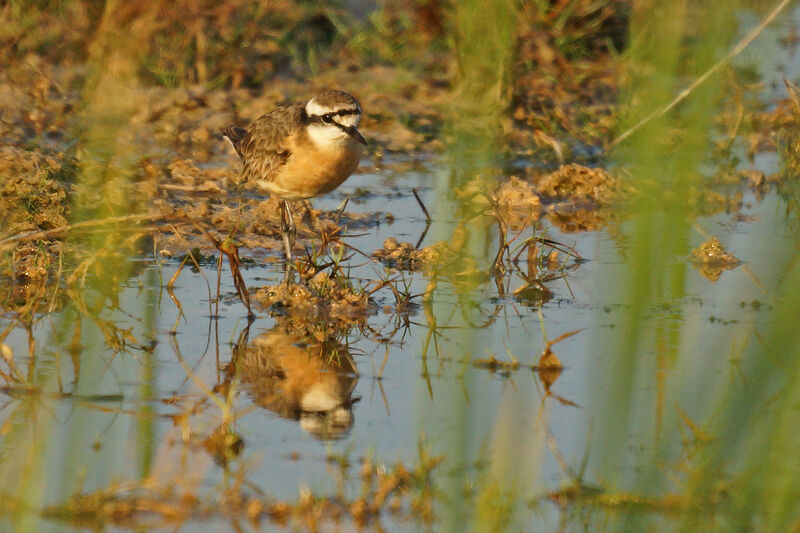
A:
(350, 130)
(354, 133)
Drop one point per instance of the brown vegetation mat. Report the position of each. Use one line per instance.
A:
(565, 84)
(30, 198)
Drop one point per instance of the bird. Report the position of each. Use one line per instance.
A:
(300, 151)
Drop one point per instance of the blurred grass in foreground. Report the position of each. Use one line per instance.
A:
(483, 45)
(733, 468)
(41, 458)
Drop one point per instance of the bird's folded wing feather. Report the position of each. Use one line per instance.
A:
(264, 149)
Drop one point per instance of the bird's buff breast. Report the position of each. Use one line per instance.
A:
(312, 171)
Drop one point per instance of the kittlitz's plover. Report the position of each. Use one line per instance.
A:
(300, 151)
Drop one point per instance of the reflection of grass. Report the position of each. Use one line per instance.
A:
(483, 46)
(404, 494)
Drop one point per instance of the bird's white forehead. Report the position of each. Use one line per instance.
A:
(314, 108)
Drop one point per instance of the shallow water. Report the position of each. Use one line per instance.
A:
(117, 422)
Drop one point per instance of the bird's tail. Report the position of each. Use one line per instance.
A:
(235, 134)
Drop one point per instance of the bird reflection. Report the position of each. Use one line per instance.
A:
(299, 378)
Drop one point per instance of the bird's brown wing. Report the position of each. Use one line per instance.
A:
(263, 148)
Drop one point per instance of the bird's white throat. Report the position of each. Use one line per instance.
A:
(327, 136)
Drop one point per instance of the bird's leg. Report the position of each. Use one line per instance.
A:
(292, 227)
(340, 210)
(288, 230)
(313, 218)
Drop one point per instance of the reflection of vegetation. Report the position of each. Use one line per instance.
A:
(392, 489)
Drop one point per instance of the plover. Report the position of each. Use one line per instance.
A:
(300, 151)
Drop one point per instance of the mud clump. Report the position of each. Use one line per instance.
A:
(442, 259)
(574, 198)
(711, 259)
(321, 298)
(577, 183)
(518, 202)
(404, 256)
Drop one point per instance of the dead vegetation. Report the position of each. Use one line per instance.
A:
(322, 297)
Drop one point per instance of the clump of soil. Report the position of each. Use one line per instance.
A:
(576, 183)
(404, 256)
(574, 198)
(711, 259)
(321, 298)
(442, 259)
(518, 202)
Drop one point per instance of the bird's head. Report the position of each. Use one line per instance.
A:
(333, 117)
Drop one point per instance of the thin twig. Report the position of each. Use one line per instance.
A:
(424, 209)
(340, 211)
(232, 252)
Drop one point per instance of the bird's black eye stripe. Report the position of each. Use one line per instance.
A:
(328, 117)
(343, 112)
